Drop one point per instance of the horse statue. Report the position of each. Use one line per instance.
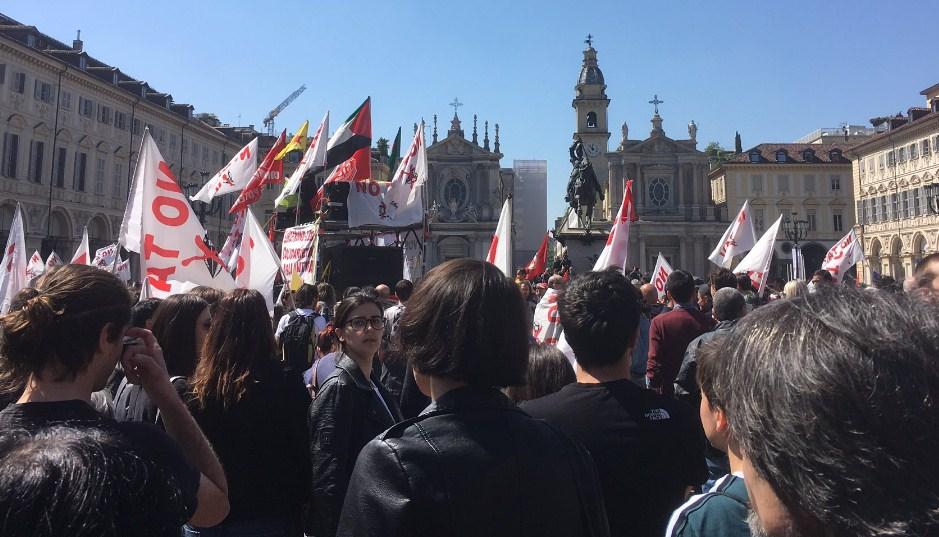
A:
(583, 188)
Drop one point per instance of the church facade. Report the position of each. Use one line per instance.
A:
(677, 216)
(464, 193)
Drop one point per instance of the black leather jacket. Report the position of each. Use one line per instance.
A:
(474, 464)
(345, 415)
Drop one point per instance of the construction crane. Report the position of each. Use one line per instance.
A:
(269, 120)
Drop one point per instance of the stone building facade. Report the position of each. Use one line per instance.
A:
(71, 126)
(896, 183)
(676, 214)
(464, 193)
(807, 181)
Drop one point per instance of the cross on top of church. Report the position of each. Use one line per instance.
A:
(589, 40)
(455, 104)
(656, 102)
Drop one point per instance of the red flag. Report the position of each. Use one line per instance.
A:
(268, 172)
(357, 168)
(539, 262)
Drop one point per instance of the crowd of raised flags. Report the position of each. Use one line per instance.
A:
(160, 224)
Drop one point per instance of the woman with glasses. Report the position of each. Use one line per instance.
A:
(351, 408)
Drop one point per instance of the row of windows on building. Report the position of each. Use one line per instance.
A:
(900, 155)
(811, 216)
(90, 170)
(904, 204)
(782, 155)
(106, 115)
(782, 184)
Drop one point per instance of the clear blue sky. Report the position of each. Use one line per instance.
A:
(772, 71)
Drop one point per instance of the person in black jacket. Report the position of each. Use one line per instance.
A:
(351, 408)
(253, 411)
(472, 463)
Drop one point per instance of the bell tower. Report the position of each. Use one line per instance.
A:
(590, 108)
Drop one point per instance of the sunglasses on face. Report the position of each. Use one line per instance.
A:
(359, 323)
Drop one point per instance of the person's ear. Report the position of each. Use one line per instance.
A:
(720, 420)
(339, 335)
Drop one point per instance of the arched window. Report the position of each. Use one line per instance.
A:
(591, 120)
(781, 155)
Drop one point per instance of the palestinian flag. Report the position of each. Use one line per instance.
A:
(349, 151)
(354, 134)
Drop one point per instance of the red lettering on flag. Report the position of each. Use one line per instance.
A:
(150, 247)
(180, 206)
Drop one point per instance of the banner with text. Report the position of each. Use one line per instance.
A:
(298, 250)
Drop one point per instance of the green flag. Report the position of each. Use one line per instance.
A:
(395, 151)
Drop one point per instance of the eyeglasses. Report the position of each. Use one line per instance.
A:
(359, 323)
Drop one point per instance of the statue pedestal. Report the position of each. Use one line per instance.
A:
(583, 245)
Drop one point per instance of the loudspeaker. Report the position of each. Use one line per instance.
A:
(358, 266)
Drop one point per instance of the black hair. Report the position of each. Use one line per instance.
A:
(824, 275)
(349, 291)
(926, 271)
(548, 371)
(349, 303)
(143, 311)
(721, 279)
(744, 283)
(466, 321)
(403, 290)
(680, 284)
(832, 397)
(599, 312)
(306, 296)
(88, 481)
(174, 327)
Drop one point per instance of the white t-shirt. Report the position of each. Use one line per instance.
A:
(319, 323)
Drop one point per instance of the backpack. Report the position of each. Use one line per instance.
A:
(297, 341)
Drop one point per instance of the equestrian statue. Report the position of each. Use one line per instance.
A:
(583, 189)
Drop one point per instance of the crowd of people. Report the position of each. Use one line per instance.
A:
(431, 408)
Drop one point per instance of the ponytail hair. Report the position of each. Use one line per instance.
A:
(57, 324)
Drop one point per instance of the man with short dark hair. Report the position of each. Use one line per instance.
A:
(820, 278)
(832, 398)
(296, 332)
(721, 279)
(648, 449)
(670, 333)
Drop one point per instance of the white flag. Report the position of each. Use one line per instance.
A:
(35, 267)
(106, 258)
(314, 157)
(233, 177)
(660, 275)
(756, 263)
(616, 251)
(83, 253)
(843, 255)
(500, 250)
(738, 238)
(258, 263)
(123, 270)
(161, 226)
(229, 250)
(13, 275)
(405, 192)
(546, 327)
(53, 261)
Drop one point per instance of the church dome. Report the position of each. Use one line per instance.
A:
(590, 72)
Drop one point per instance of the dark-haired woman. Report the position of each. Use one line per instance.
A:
(60, 345)
(180, 324)
(253, 411)
(472, 463)
(548, 371)
(351, 408)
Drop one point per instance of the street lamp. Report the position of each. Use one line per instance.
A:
(796, 231)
